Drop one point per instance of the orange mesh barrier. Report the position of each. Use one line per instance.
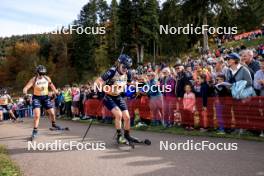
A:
(224, 112)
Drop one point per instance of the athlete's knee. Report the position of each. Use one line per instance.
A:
(126, 116)
(117, 113)
(51, 112)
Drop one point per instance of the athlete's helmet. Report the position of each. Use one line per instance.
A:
(41, 70)
(125, 60)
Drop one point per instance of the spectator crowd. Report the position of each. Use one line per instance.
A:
(212, 91)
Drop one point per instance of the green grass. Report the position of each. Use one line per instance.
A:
(248, 43)
(7, 166)
(181, 131)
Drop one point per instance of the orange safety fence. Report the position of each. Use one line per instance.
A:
(246, 34)
(226, 112)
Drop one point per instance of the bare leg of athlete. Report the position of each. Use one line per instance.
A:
(36, 122)
(126, 118)
(36, 117)
(12, 115)
(118, 117)
(52, 115)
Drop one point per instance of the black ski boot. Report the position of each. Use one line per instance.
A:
(130, 140)
(34, 134)
(119, 137)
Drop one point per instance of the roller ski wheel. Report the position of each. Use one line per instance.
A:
(138, 141)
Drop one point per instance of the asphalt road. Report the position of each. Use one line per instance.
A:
(247, 160)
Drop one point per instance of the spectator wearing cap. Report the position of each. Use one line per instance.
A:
(259, 79)
(237, 71)
(181, 80)
(167, 81)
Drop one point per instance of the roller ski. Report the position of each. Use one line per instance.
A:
(58, 128)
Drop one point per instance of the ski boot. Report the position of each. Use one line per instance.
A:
(34, 134)
(130, 140)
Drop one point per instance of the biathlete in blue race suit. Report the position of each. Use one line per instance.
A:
(115, 79)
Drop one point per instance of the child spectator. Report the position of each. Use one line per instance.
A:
(202, 103)
(222, 105)
(188, 108)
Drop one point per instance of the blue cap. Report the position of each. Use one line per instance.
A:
(234, 56)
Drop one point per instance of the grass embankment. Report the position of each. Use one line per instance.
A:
(177, 130)
(7, 166)
(248, 43)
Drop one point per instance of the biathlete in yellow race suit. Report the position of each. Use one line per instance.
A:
(41, 84)
(115, 79)
(6, 104)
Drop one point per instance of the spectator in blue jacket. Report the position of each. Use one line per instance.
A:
(155, 99)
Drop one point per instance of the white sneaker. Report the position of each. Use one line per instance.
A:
(75, 118)
(241, 131)
(262, 134)
(203, 130)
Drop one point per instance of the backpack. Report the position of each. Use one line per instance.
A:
(239, 90)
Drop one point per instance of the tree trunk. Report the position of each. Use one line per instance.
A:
(141, 53)
(138, 54)
(154, 51)
(205, 36)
